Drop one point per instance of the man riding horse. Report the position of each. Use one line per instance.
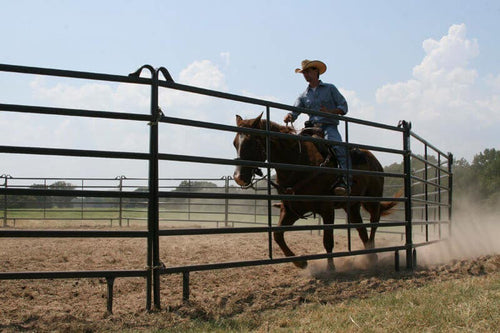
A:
(324, 97)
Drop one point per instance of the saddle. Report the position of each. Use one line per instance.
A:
(325, 149)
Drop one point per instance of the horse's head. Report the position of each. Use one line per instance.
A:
(250, 147)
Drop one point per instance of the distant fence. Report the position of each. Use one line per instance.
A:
(427, 197)
(121, 211)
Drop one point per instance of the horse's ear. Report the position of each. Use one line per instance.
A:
(238, 120)
(256, 121)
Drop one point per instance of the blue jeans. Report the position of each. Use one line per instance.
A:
(332, 134)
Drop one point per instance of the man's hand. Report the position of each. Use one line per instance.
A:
(288, 118)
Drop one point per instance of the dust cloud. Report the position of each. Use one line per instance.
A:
(475, 232)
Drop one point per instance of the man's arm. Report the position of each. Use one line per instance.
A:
(292, 116)
(332, 111)
(339, 102)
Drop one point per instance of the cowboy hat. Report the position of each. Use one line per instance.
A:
(312, 64)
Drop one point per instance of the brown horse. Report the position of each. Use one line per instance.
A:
(251, 147)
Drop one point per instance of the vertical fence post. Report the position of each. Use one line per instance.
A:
(450, 191)
(408, 193)
(426, 194)
(438, 171)
(226, 201)
(153, 251)
(120, 199)
(348, 202)
(5, 177)
(45, 199)
(189, 201)
(269, 206)
(153, 205)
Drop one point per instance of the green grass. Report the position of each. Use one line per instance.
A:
(465, 305)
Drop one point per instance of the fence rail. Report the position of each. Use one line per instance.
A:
(432, 180)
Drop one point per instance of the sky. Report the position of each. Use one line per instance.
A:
(433, 63)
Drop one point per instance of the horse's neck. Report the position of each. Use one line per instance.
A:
(293, 152)
(288, 151)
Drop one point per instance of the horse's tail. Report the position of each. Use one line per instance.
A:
(387, 207)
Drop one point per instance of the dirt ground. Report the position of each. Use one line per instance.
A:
(80, 304)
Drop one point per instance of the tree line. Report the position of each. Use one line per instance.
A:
(478, 179)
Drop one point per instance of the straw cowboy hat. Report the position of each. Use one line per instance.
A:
(312, 63)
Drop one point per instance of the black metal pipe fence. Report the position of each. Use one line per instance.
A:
(124, 211)
(432, 182)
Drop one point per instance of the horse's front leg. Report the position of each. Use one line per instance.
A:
(287, 218)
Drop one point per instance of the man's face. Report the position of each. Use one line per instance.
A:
(310, 74)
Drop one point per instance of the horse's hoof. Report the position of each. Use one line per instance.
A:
(300, 264)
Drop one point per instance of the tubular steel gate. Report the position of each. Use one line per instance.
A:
(427, 191)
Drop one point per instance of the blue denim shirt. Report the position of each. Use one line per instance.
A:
(327, 95)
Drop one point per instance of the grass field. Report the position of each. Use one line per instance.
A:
(467, 304)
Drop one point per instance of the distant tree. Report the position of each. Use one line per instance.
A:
(464, 180)
(393, 184)
(30, 201)
(62, 201)
(194, 185)
(486, 169)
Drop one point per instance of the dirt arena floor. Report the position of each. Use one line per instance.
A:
(80, 304)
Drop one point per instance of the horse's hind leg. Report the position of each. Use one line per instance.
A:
(355, 217)
(286, 219)
(328, 243)
(374, 209)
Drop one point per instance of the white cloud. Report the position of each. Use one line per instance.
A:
(493, 82)
(203, 74)
(98, 96)
(357, 108)
(453, 52)
(444, 98)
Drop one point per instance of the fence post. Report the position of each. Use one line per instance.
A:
(120, 202)
(82, 201)
(45, 199)
(408, 193)
(426, 194)
(189, 201)
(450, 190)
(269, 204)
(5, 199)
(153, 255)
(153, 206)
(226, 202)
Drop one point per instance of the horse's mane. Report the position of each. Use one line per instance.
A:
(275, 127)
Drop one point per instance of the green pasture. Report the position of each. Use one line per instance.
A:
(469, 304)
(178, 216)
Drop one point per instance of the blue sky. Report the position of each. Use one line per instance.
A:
(434, 63)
